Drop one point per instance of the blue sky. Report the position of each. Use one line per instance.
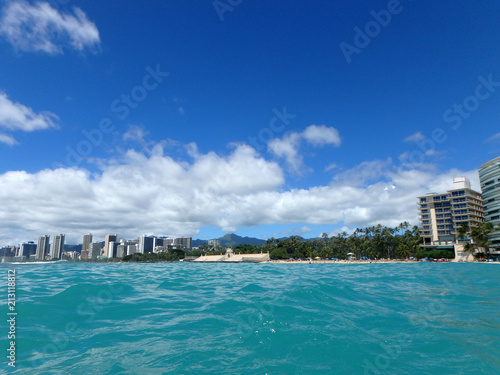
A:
(260, 118)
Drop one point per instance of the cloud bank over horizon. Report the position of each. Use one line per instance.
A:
(149, 191)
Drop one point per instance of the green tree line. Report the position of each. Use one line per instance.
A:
(374, 242)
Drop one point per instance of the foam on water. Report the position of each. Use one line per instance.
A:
(184, 318)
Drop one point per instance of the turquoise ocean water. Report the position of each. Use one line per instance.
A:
(184, 318)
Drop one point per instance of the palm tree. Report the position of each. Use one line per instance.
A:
(470, 248)
(403, 250)
(480, 235)
(353, 244)
(204, 247)
(462, 231)
(387, 233)
(403, 227)
(272, 241)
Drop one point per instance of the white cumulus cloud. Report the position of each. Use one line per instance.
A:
(7, 139)
(40, 27)
(135, 195)
(136, 134)
(415, 137)
(17, 117)
(319, 135)
(153, 193)
(288, 149)
(288, 146)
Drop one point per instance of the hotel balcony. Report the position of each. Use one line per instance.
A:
(438, 244)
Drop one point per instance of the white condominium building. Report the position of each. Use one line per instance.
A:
(442, 214)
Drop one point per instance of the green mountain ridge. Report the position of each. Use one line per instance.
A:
(232, 240)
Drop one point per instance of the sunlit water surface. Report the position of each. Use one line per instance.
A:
(185, 318)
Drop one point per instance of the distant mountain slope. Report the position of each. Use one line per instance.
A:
(232, 240)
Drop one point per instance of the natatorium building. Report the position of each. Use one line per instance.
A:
(489, 177)
(442, 214)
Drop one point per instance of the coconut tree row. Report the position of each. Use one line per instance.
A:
(373, 242)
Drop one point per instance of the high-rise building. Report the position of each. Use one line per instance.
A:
(87, 240)
(126, 248)
(109, 238)
(26, 250)
(158, 242)
(121, 250)
(94, 250)
(183, 242)
(7, 251)
(489, 177)
(132, 249)
(442, 214)
(57, 246)
(112, 248)
(42, 248)
(167, 242)
(146, 244)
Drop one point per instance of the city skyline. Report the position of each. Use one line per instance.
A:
(265, 120)
(110, 247)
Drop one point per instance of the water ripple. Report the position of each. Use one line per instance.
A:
(182, 318)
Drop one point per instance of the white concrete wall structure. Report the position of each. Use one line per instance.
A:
(231, 257)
